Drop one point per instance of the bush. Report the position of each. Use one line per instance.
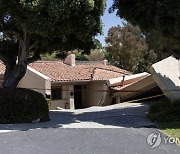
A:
(165, 111)
(48, 102)
(22, 105)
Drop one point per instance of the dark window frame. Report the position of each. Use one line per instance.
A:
(56, 93)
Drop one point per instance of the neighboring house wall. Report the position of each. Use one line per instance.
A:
(36, 81)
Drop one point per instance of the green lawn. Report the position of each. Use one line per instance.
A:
(171, 129)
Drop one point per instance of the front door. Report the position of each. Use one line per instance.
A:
(78, 96)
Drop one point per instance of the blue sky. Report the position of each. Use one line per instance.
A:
(108, 20)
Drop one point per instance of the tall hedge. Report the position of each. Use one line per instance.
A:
(22, 106)
(165, 111)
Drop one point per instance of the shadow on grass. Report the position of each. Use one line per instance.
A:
(169, 125)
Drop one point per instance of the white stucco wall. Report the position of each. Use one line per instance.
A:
(166, 73)
(36, 81)
(71, 98)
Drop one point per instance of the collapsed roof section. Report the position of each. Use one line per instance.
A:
(164, 77)
(132, 86)
(166, 74)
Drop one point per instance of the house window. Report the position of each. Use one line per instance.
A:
(56, 93)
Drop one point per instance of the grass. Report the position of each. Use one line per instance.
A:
(171, 129)
(167, 116)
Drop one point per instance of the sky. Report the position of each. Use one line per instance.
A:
(109, 20)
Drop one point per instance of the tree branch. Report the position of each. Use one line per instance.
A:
(16, 33)
(21, 43)
(32, 46)
(25, 36)
(3, 58)
(35, 57)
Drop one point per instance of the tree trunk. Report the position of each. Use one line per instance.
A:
(13, 75)
(16, 65)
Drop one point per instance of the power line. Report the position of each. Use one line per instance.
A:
(109, 90)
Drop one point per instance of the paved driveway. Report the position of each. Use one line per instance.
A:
(103, 130)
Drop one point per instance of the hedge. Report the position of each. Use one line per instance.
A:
(22, 106)
(165, 111)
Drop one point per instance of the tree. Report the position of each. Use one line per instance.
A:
(98, 44)
(159, 44)
(96, 55)
(126, 47)
(79, 55)
(149, 58)
(30, 27)
(161, 16)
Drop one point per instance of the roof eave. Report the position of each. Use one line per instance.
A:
(75, 82)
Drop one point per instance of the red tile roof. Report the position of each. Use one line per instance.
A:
(59, 71)
(104, 74)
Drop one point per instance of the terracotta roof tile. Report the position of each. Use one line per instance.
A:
(103, 74)
(59, 71)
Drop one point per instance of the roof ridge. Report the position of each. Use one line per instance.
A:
(88, 62)
(47, 61)
(125, 72)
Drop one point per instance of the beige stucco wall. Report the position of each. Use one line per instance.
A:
(36, 81)
(65, 90)
(90, 95)
(107, 99)
(59, 103)
(67, 101)
(94, 94)
(166, 73)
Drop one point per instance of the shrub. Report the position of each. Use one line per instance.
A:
(176, 107)
(48, 102)
(161, 105)
(22, 105)
(165, 111)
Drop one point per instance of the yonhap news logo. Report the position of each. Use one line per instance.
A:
(155, 139)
